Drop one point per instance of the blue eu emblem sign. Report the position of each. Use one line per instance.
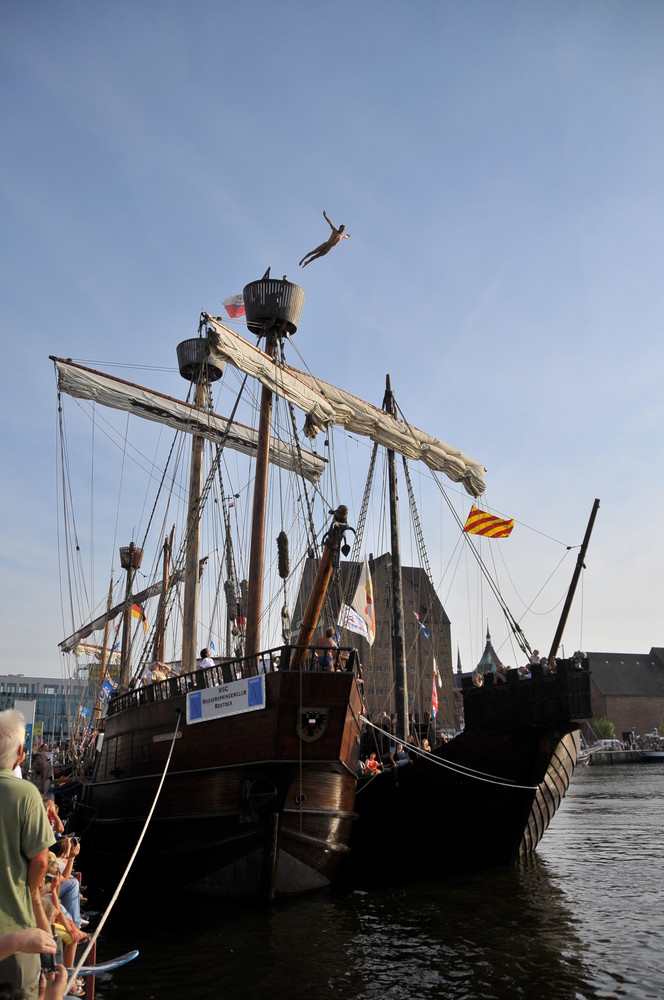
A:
(195, 707)
(255, 691)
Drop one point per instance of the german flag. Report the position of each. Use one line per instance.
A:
(137, 612)
(481, 523)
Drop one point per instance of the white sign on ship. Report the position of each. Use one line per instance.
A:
(227, 699)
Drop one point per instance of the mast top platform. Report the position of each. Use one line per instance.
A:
(193, 356)
(271, 303)
(131, 556)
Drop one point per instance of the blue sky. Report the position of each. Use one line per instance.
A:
(499, 167)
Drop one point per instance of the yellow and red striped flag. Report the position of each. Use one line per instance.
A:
(481, 523)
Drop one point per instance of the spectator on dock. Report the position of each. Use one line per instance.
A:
(33, 942)
(53, 813)
(65, 926)
(25, 837)
(41, 770)
(66, 851)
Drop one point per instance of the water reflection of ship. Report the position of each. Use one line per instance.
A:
(509, 933)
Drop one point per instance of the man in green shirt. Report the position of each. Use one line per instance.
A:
(25, 838)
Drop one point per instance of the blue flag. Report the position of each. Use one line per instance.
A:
(426, 634)
(106, 690)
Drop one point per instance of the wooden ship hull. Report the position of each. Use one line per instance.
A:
(253, 805)
(266, 802)
(486, 798)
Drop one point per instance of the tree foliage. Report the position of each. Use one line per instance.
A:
(604, 729)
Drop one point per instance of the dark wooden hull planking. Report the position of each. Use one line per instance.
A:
(249, 808)
(485, 798)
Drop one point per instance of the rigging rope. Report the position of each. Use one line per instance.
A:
(519, 635)
(81, 961)
(461, 769)
(308, 503)
(210, 479)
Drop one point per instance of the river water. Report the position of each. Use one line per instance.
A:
(583, 919)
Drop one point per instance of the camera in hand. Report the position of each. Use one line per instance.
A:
(47, 960)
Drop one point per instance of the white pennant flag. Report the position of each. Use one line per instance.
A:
(360, 617)
(351, 620)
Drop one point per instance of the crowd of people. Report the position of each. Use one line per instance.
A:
(391, 754)
(41, 923)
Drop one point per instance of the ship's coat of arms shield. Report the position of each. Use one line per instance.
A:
(312, 723)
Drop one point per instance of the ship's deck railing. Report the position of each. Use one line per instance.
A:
(560, 697)
(268, 661)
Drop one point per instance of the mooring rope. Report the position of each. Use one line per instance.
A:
(467, 772)
(122, 881)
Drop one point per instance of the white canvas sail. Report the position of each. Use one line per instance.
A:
(84, 383)
(325, 404)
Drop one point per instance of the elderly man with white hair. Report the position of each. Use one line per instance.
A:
(25, 837)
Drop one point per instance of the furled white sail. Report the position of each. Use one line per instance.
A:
(84, 383)
(72, 642)
(326, 404)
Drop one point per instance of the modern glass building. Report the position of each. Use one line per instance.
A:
(62, 706)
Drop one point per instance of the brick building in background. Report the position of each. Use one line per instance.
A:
(419, 597)
(628, 689)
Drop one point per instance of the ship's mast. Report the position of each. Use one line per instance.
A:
(159, 649)
(195, 366)
(333, 542)
(575, 579)
(398, 639)
(273, 309)
(130, 560)
(257, 548)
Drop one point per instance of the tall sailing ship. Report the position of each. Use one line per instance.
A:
(261, 749)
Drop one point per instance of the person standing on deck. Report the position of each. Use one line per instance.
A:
(324, 645)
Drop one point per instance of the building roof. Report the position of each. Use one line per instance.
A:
(629, 673)
(489, 661)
